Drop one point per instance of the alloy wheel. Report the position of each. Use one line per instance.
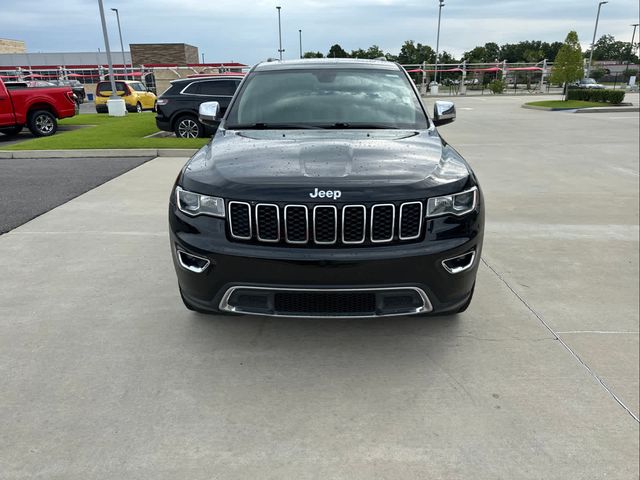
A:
(44, 124)
(188, 128)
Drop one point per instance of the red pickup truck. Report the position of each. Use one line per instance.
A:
(38, 108)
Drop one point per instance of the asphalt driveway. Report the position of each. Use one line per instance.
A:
(30, 187)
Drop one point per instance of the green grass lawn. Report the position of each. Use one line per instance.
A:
(567, 104)
(108, 132)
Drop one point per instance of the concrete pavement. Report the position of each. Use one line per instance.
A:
(106, 375)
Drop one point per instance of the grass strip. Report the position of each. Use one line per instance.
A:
(109, 132)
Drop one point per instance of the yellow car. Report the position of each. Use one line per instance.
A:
(136, 96)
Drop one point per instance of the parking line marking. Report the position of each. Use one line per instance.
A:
(562, 342)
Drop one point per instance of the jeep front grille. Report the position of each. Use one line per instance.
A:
(325, 225)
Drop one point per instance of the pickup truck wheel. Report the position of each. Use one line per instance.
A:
(188, 127)
(42, 123)
(12, 132)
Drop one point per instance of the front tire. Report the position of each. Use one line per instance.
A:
(188, 127)
(42, 123)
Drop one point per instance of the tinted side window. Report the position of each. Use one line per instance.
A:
(218, 87)
(192, 88)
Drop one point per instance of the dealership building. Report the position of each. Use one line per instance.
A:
(156, 64)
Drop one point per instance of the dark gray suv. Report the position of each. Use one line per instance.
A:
(177, 108)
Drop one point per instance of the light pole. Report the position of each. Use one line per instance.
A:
(280, 50)
(633, 37)
(593, 43)
(115, 104)
(300, 35)
(124, 60)
(202, 57)
(435, 75)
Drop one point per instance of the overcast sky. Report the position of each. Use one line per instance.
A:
(247, 31)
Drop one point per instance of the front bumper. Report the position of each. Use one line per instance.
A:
(250, 268)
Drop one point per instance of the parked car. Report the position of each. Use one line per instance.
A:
(589, 83)
(76, 86)
(177, 109)
(136, 96)
(327, 192)
(37, 108)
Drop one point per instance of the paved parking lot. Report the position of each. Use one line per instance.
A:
(30, 187)
(106, 375)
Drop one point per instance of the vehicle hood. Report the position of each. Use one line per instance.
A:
(288, 165)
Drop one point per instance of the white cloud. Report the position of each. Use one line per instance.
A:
(247, 31)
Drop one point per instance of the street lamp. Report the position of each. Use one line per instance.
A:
(115, 104)
(633, 37)
(300, 35)
(435, 76)
(593, 43)
(280, 50)
(124, 60)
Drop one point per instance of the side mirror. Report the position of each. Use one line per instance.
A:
(208, 113)
(443, 112)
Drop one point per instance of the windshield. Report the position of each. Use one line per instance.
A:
(327, 98)
(588, 80)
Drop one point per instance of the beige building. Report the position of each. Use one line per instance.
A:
(12, 46)
(163, 53)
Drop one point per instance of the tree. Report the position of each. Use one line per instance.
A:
(410, 53)
(336, 51)
(445, 57)
(568, 66)
(313, 55)
(372, 52)
(608, 48)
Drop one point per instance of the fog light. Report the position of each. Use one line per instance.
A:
(460, 263)
(191, 262)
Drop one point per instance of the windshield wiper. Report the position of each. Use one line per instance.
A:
(362, 126)
(271, 126)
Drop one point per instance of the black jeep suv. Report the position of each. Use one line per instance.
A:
(327, 192)
(177, 108)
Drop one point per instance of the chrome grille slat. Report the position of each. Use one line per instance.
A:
(289, 235)
(235, 211)
(382, 222)
(407, 221)
(269, 232)
(321, 224)
(326, 224)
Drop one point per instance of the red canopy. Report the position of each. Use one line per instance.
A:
(491, 69)
(130, 74)
(525, 69)
(439, 70)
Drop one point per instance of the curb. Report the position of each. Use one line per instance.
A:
(608, 109)
(584, 110)
(97, 153)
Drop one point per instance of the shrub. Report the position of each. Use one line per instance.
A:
(497, 86)
(614, 97)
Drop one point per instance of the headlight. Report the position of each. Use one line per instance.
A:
(456, 204)
(195, 204)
